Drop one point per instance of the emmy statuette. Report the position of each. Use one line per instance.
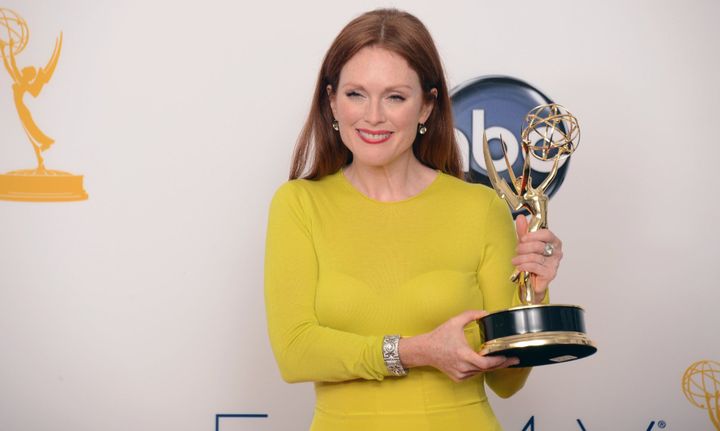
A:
(39, 184)
(536, 334)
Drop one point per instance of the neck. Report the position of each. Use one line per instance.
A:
(390, 183)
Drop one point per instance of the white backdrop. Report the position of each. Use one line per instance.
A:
(142, 308)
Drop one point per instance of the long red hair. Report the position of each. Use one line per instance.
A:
(319, 150)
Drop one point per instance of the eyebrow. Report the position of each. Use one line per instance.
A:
(390, 88)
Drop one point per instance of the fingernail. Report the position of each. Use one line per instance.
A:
(514, 361)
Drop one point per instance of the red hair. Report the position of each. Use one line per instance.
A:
(319, 150)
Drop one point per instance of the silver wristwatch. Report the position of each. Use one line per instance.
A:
(391, 356)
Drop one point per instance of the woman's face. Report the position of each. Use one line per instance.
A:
(378, 105)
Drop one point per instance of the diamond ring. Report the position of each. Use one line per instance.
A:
(549, 248)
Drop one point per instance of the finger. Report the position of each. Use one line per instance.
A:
(541, 280)
(540, 267)
(486, 363)
(533, 258)
(521, 227)
(540, 288)
(470, 374)
(543, 271)
(538, 258)
(543, 235)
(533, 247)
(459, 377)
(509, 362)
(468, 316)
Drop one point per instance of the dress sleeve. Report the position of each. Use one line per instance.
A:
(305, 350)
(498, 291)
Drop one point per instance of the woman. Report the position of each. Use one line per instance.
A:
(380, 259)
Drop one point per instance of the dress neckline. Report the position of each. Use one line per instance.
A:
(429, 187)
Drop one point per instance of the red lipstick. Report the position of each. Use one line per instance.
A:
(374, 136)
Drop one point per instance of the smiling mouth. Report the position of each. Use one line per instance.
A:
(374, 136)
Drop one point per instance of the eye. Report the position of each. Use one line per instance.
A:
(353, 94)
(397, 98)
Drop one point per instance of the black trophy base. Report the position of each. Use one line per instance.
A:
(537, 334)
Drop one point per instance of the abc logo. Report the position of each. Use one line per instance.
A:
(497, 106)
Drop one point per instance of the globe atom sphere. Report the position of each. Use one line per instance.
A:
(701, 383)
(13, 28)
(550, 131)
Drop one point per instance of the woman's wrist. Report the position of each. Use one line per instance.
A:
(412, 351)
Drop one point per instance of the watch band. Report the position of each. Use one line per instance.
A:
(391, 355)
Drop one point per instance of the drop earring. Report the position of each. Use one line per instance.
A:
(422, 129)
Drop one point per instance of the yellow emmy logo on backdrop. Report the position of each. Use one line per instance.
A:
(39, 184)
(701, 386)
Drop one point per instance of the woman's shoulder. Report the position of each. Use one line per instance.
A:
(474, 198)
(459, 188)
(302, 188)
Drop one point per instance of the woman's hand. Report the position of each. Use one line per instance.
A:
(446, 349)
(532, 256)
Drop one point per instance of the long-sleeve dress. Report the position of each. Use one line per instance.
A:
(342, 270)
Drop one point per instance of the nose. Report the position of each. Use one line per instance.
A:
(374, 113)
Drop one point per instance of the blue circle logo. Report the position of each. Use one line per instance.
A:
(497, 106)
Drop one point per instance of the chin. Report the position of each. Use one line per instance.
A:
(379, 159)
(374, 162)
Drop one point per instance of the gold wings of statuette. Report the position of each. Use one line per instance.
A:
(513, 198)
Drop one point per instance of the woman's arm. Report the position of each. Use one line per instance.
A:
(498, 291)
(305, 350)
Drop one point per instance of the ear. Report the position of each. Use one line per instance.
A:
(428, 106)
(332, 96)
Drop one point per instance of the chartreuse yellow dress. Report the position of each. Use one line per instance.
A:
(343, 270)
